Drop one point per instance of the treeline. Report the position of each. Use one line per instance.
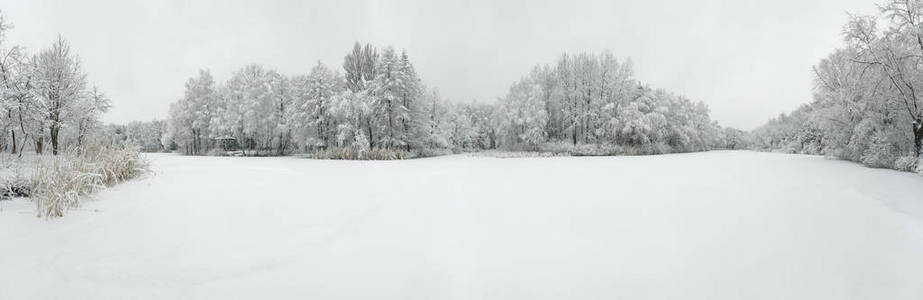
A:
(867, 104)
(379, 104)
(593, 102)
(147, 136)
(46, 101)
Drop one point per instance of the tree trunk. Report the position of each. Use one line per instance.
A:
(368, 123)
(575, 121)
(23, 145)
(390, 128)
(54, 139)
(80, 133)
(917, 137)
(22, 128)
(195, 143)
(13, 135)
(321, 134)
(39, 144)
(406, 132)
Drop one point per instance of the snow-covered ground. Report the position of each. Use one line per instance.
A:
(717, 225)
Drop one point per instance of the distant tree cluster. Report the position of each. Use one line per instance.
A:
(147, 136)
(588, 99)
(380, 102)
(45, 98)
(867, 103)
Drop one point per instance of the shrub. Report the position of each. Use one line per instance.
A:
(518, 154)
(59, 183)
(906, 163)
(568, 149)
(14, 175)
(432, 152)
(217, 152)
(352, 153)
(13, 186)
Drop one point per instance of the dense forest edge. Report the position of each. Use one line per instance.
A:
(375, 105)
(867, 106)
(379, 107)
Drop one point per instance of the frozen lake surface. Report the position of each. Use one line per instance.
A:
(715, 225)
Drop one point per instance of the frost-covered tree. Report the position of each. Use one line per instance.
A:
(45, 95)
(322, 88)
(250, 108)
(283, 100)
(15, 93)
(360, 67)
(148, 136)
(191, 121)
(88, 113)
(867, 107)
(460, 125)
(60, 85)
(522, 114)
(434, 120)
(483, 125)
(594, 100)
(395, 89)
(349, 111)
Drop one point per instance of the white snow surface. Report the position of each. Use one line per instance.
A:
(715, 225)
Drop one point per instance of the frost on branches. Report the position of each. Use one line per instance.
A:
(379, 103)
(867, 104)
(46, 101)
(592, 104)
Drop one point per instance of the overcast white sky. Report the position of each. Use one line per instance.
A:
(747, 59)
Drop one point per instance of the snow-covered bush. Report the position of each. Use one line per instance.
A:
(432, 152)
(60, 182)
(907, 164)
(14, 185)
(558, 148)
(14, 175)
(217, 152)
(563, 148)
(351, 153)
(517, 154)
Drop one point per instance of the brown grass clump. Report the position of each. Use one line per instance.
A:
(58, 183)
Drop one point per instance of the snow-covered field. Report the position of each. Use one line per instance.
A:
(717, 225)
